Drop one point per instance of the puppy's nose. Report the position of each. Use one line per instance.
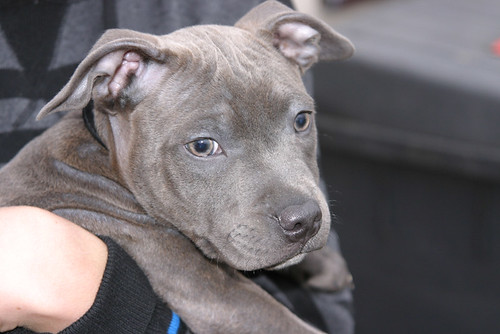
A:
(300, 222)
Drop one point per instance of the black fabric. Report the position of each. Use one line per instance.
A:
(125, 302)
(297, 298)
(44, 22)
(88, 119)
(12, 142)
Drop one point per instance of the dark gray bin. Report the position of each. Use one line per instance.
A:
(410, 134)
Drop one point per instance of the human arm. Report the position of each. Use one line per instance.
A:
(51, 270)
(95, 286)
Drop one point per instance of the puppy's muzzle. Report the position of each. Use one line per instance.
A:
(300, 222)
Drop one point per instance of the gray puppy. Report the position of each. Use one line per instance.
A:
(198, 156)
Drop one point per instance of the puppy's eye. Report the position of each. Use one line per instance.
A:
(203, 147)
(302, 121)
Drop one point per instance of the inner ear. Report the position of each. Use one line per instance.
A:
(299, 37)
(298, 42)
(119, 67)
(132, 63)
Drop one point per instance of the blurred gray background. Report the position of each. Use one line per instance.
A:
(410, 134)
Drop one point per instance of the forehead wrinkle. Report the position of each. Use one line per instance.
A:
(229, 66)
(224, 53)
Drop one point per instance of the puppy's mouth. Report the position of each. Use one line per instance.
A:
(268, 242)
(244, 249)
(290, 262)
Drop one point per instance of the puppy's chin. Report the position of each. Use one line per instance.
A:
(290, 262)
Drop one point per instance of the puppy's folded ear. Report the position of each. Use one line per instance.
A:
(118, 58)
(299, 37)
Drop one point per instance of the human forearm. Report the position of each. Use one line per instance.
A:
(51, 270)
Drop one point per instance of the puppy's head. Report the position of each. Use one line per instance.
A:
(211, 129)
